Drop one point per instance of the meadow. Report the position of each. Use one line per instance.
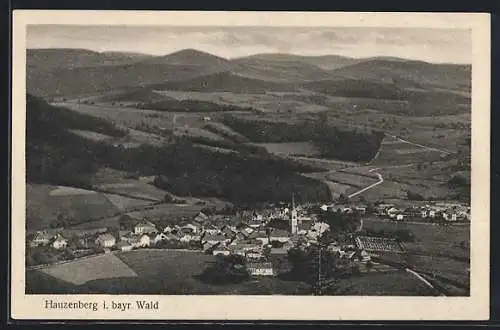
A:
(151, 271)
(42, 208)
(291, 148)
(88, 269)
(440, 249)
(133, 189)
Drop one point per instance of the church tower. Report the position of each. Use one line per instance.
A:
(294, 217)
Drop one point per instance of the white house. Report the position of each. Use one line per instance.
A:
(144, 227)
(261, 269)
(145, 241)
(168, 229)
(321, 227)
(221, 251)
(124, 246)
(450, 216)
(185, 238)
(194, 229)
(59, 242)
(105, 240)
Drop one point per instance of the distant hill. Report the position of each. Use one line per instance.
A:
(50, 58)
(140, 95)
(72, 73)
(73, 82)
(325, 62)
(405, 73)
(226, 82)
(279, 71)
(75, 72)
(205, 61)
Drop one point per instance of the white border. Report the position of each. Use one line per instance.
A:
(475, 307)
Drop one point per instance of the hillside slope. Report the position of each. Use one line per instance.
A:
(407, 73)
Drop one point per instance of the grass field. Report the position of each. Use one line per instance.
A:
(134, 188)
(291, 148)
(436, 249)
(175, 272)
(396, 283)
(42, 208)
(89, 269)
(90, 135)
(125, 203)
(168, 211)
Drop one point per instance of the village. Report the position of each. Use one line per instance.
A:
(253, 234)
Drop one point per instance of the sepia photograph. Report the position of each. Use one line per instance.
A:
(232, 159)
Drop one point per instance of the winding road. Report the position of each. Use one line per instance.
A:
(380, 180)
(420, 145)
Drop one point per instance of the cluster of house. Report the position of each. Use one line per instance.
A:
(434, 211)
(430, 211)
(258, 234)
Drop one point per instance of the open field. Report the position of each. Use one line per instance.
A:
(124, 203)
(436, 249)
(107, 222)
(291, 148)
(268, 102)
(124, 116)
(175, 272)
(168, 212)
(42, 208)
(89, 269)
(133, 189)
(90, 135)
(353, 180)
(396, 283)
(149, 272)
(397, 152)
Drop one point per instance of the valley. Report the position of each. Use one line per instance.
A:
(116, 135)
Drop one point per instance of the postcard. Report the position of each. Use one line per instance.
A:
(250, 165)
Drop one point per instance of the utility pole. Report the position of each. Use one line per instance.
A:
(319, 271)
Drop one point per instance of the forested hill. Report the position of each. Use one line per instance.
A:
(56, 156)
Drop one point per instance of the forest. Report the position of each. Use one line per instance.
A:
(56, 156)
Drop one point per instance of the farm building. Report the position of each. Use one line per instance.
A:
(105, 240)
(193, 229)
(221, 250)
(377, 244)
(41, 238)
(279, 236)
(124, 246)
(145, 241)
(160, 237)
(144, 227)
(59, 242)
(260, 269)
(214, 239)
(201, 217)
(449, 216)
(254, 254)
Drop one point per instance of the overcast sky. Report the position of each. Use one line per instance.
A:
(432, 45)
